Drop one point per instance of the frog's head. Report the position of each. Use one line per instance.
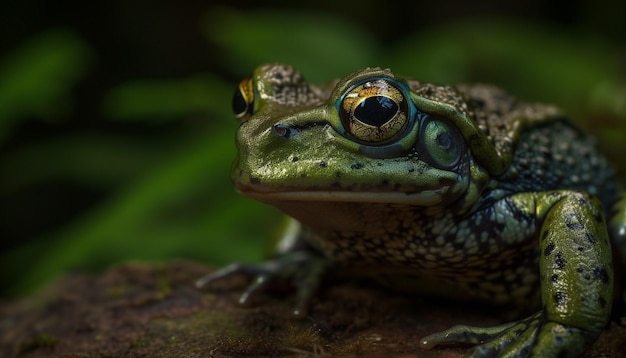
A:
(368, 138)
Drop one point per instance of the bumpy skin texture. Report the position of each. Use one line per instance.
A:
(461, 192)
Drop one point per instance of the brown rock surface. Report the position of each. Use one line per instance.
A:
(141, 310)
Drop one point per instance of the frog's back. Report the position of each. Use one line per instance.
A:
(549, 154)
(556, 156)
(545, 151)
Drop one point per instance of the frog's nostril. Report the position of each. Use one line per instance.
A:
(283, 131)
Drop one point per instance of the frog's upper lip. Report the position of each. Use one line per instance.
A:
(424, 197)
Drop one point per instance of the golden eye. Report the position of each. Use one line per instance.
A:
(374, 111)
(243, 99)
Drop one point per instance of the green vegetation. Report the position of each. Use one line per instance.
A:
(160, 177)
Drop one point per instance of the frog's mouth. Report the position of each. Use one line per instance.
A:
(349, 211)
(425, 197)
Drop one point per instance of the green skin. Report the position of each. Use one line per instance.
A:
(461, 192)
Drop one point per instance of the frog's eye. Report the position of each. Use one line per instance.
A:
(243, 99)
(374, 111)
(441, 143)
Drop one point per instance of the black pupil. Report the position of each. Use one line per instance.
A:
(444, 140)
(376, 110)
(239, 103)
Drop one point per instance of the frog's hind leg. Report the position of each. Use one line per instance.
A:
(576, 284)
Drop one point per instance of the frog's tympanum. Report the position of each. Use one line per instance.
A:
(461, 192)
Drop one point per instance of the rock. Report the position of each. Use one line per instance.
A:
(154, 310)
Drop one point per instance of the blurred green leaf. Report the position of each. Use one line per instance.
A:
(155, 217)
(609, 97)
(168, 99)
(536, 62)
(97, 160)
(36, 78)
(320, 45)
(170, 192)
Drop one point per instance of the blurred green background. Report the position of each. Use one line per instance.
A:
(115, 129)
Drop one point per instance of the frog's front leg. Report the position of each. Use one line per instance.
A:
(295, 264)
(576, 284)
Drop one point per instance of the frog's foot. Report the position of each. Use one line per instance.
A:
(530, 337)
(303, 270)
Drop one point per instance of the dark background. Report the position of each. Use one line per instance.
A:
(115, 125)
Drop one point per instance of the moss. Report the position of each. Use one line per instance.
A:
(163, 287)
(42, 340)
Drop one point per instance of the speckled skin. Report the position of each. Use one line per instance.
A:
(465, 192)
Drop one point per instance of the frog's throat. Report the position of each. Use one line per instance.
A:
(421, 198)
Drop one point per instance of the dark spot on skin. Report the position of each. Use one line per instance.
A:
(558, 339)
(323, 163)
(580, 249)
(545, 234)
(337, 174)
(598, 216)
(581, 270)
(524, 352)
(554, 278)
(548, 251)
(294, 159)
(254, 180)
(560, 261)
(357, 165)
(560, 297)
(590, 237)
(574, 225)
(601, 274)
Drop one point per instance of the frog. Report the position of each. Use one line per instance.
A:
(453, 191)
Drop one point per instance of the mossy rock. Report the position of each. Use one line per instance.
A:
(149, 310)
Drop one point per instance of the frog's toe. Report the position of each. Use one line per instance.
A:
(259, 272)
(231, 270)
(559, 340)
(514, 339)
(471, 335)
(258, 285)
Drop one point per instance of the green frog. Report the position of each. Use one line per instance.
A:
(460, 191)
